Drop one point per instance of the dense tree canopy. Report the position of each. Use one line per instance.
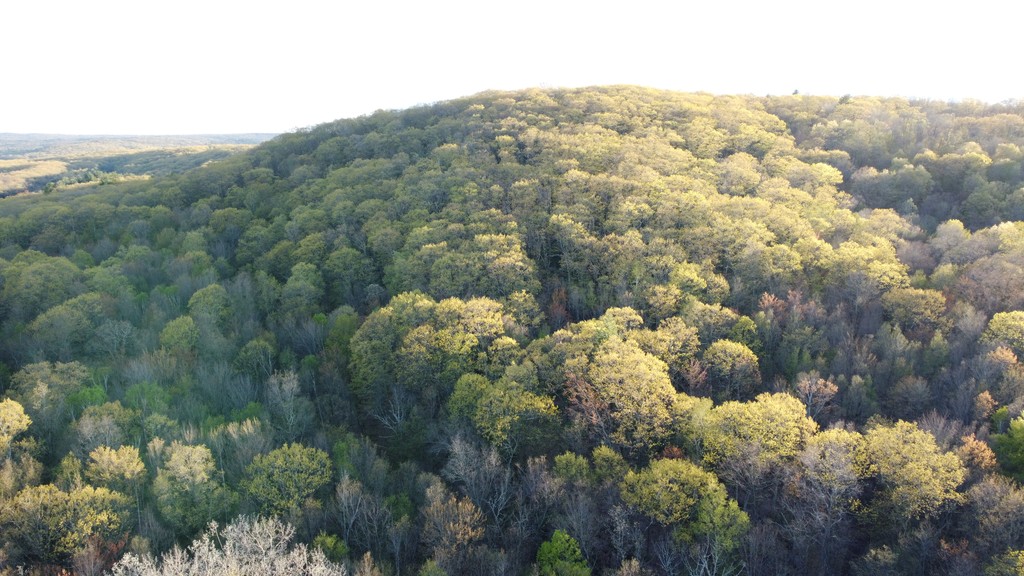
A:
(605, 330)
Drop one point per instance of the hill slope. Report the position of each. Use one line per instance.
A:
(771, 334)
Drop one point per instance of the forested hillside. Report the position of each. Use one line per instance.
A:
(595, 331)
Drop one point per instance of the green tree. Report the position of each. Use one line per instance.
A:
(777, 424)
(1009, 448)
(749, 443)
(256, 359)
(1010, 563)
(180, 336)
(503, 412)
(281, 481)
(638, 386)
(210, 303)
(303, 292)
(35, 282)
(63, 331)
(919, 312)
(375, 342)
(561, 556)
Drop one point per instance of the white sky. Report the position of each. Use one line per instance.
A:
(224, 66)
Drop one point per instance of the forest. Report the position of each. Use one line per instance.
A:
(606, 331)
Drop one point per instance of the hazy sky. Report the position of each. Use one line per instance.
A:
(219, 66)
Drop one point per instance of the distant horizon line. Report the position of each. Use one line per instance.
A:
(136, 135)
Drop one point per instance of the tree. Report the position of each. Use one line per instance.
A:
(302, 293)
(503, 412)
(748, 443)
(995, 515)
(63, 331)
(120, 470)
(291, 412)
(484, 477)
(917, 479)
(1006, 328)
(561, 556)
(115, 338)
(679, 495)
(180, 336)
(280, 481)
(674, 343)
(35, 282)
(256, 546)
(919, 312)
(450, 526)
(210, 303)
(13, 421)
(825, 485)
(776, 424)
(816, 393)
(1009, 448)
(49, 525)
(733, 372)
(107, 424)
(187, 491)
(637, 387)
(256, 359)
(374, 344)
(1010, 563)
(44, 389)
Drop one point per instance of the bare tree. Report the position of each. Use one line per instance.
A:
(824, 485)
(349, 501)
(258, 547)
(816, 393)
(290, 411)
(485, 478)
(450, 527)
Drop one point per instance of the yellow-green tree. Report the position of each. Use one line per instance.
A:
(733, 371)
(748, 443)
(280, 481)
(1006, 328)
(917, 479)
(47, 525)
(690, 501)
(119, 469)
(44, 390)
(13, 421)
(504, 412)
(188, 493)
